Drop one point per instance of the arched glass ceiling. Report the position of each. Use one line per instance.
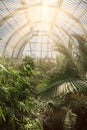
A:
(43, 48)
(23, 20)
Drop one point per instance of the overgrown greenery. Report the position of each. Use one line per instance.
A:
(67, 82)
(45, 95)
(17, 96)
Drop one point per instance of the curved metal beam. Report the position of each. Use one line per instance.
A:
(23, 46)
(24, 26)
(10, 37)
(38, 5)
(23, 8)
(28, 40)
(33, 35)
(75, 19)
(16, 31)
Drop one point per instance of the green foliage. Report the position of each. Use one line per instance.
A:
(17, 98)
(82, 54)
(70, 68)
(63, 82)
(2, 114)
(35, 124)
(64, 87)
(68, 77)
(66, 112)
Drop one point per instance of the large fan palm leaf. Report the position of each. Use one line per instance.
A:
(64, 87)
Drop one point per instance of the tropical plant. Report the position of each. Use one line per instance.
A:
(17, 97)
(67, 80)
(82, 54)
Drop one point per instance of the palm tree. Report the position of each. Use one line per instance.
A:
(68, 80)
(82, 53)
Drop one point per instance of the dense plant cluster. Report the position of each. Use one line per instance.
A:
(67, 82)
(45, 95)
(17, 96)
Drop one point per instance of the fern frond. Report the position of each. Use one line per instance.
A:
(70, 120)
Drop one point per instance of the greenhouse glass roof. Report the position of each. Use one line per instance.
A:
(31, 27)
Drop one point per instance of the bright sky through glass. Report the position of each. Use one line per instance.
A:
(43, 47)
(21, 20)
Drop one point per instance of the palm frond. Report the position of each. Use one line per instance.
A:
(82, 52)
(82, 44)
(62, 49)
(64, 87)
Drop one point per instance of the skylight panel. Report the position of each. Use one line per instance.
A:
(70, 5)
(41, 27)
(20, 18)
(3, 10)
(32, 2)
(12, 4)
(50, 2)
